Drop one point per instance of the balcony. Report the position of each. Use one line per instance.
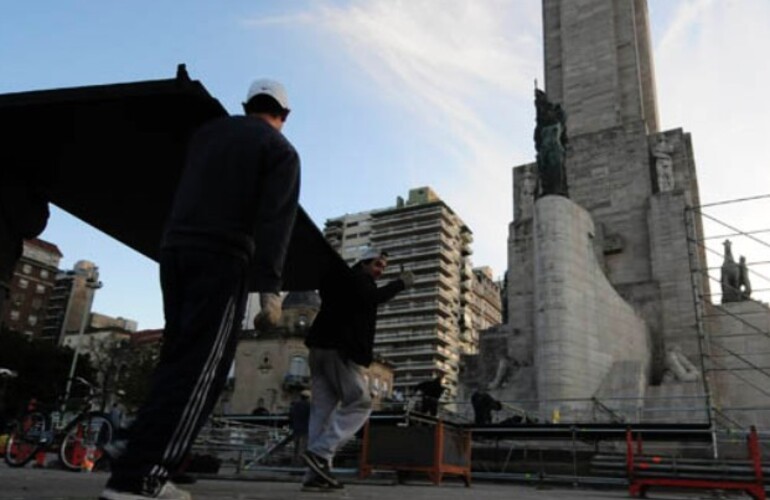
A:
(394, 352)
(384, 338)
(385, 218)
(405, 322)
(390, 245)
(406, 254)
(431, 226)
(446, 282)
(293, 382)
(408, 307)
(409, 321)
(406, 366)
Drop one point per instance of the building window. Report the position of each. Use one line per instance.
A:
(44, 273)
(26, 269)
(266, 362)
(32, 320)
(298, 366)
(39, 288)
(14, 315)
(37, 303)
(23, 283)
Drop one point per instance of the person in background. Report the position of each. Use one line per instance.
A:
(483, 406)
(341, 342)
(431, 391)
(299, 421)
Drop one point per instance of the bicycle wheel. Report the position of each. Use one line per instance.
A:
(84, 441)
(26, 439)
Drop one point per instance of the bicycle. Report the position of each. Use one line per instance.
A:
(80, 440)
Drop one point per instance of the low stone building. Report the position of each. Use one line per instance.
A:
(271, 368)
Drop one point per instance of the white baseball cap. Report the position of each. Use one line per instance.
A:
(269, 87)
(371, 253)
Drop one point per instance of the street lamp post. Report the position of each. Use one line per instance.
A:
(92, 285)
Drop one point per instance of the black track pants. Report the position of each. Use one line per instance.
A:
(203, 300)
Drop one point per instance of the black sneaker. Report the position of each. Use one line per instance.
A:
(166, 492)
(142, 490)
(183, 478)
(320, 466)
(318, 483)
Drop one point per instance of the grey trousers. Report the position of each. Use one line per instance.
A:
(340, 401)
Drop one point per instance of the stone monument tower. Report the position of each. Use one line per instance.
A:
(600, 286)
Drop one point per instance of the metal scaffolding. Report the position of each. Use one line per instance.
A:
(719, 360)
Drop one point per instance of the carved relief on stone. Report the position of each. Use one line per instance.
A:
(501, 374)
(664, 164)
(526, 193)
(678, 367)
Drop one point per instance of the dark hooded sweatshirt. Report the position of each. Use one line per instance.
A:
(348, 315)
(238, 196)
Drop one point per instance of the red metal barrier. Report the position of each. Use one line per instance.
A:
(638, 486)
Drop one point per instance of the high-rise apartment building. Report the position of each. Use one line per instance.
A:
(423, 331)
(70, 303)
(31, 287)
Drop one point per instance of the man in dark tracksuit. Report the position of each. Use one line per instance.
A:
(341, 341)
(231, 220)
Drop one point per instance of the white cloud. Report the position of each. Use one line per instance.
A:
(465, 70)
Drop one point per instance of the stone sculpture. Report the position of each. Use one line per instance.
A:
(501, 374)
(744, 285)
(678, 367)
(664, 164)
(730, 278)
(550, 143)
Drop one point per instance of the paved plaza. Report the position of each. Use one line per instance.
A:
(47, 484)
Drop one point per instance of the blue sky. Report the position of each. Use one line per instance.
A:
(388, 95)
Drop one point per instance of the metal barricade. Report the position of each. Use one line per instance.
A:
(240, 445)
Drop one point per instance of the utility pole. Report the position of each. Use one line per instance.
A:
(92, 284)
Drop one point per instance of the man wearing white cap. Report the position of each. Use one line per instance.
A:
(231, 220)
(341, 342)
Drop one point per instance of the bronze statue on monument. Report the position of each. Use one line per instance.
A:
(550, 143)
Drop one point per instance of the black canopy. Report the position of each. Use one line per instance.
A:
(112, 155)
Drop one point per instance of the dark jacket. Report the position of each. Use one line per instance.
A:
(483, 406)
(348, 315)
(238, 195)
(431, 393)
(299, 417)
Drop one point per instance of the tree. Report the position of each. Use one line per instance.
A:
(136, 373)
(42, 369)
(122, 369)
